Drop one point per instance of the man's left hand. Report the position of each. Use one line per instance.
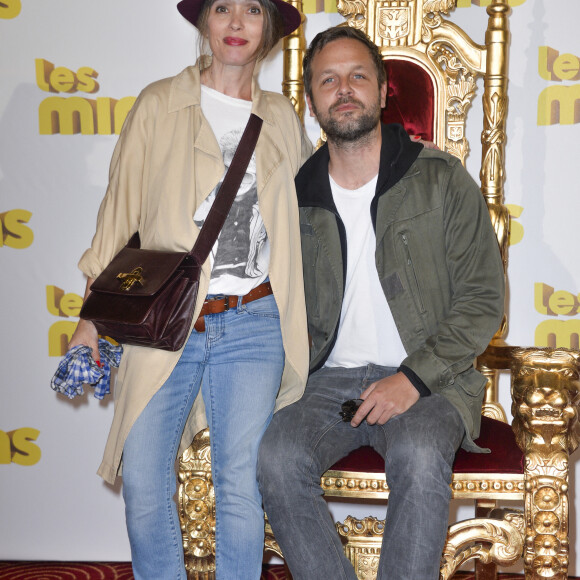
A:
(385, 399)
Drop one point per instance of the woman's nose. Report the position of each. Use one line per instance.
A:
(236, 20)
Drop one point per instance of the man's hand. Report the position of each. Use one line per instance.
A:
(385, 399)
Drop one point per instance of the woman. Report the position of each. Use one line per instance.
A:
(250, 359)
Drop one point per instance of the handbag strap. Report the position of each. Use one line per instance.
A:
(228, 190)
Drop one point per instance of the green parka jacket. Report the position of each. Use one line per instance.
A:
(437, 258)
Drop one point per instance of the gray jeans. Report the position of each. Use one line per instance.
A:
(308, 437)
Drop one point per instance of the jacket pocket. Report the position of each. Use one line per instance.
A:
(466, 394)
(471, 384)
(411, 273)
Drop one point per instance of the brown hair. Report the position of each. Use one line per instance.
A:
(272, 32)
(336, 33)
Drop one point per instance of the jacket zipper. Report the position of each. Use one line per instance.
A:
(412, 268)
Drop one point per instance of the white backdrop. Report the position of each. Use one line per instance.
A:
(52, 179)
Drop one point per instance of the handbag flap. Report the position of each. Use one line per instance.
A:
(136, 272)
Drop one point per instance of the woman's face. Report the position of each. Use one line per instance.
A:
(235, 31)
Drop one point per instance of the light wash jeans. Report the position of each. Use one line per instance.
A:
(308, 437)
(238, 362)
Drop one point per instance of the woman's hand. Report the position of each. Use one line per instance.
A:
(87, 335)
(86, 332)
(426, 144)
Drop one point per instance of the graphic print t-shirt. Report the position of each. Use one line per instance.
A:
(241, 254)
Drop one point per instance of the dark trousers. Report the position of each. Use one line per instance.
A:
(308, 437)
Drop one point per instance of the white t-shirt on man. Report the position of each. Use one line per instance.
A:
(367, 333)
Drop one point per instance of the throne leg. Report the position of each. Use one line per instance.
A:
(546, 395)
(196, 506)
(547, 547)
(485, 571)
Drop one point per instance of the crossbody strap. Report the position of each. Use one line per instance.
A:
(228, 190)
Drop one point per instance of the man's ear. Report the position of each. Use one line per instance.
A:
(310, 106)
(383, 94)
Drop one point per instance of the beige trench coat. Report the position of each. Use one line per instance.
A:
(166, 162)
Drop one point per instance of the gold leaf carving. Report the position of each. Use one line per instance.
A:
(500, 541)
(433, 6)
(355, 11)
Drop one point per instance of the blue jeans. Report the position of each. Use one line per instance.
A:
(308, 437)
(238, 363)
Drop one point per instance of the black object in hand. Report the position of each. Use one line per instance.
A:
(349, 409)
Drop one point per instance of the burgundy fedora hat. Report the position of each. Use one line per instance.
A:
(291, 18)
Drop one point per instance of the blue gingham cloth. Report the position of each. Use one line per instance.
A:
(78, 368)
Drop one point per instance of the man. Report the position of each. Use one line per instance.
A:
(404, 288)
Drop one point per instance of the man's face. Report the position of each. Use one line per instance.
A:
(346, 98)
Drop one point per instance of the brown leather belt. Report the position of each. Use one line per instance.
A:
(223, 303)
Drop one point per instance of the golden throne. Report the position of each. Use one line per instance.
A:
(432, 69)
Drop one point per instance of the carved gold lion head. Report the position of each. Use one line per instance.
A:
(546, 393)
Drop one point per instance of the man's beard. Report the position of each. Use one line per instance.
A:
(349, 129)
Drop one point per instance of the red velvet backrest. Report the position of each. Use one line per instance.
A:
(410, 98)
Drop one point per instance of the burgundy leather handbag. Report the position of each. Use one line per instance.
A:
(147, 297)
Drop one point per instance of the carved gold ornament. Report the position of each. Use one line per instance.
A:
(433, 6)
(499, 541)
(545, 399)
(363, 544)
(353, 485)
(196, 506)
(134, 277)
(394, 22)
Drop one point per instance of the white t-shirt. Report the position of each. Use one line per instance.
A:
(367, 333)
(241, 255)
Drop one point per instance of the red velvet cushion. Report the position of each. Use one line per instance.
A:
(410, 98)
(273, 572)
(505, 456)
